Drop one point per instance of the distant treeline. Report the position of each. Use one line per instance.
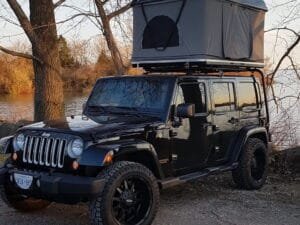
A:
(17, 77)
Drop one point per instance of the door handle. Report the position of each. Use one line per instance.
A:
(233, 120)
(215, 127)
(173, 133)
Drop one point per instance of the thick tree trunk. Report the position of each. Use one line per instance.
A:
(49, 99)
(111, 43)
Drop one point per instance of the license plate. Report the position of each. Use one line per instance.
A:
(23, 181)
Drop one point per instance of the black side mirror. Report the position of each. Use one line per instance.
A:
(186, 110)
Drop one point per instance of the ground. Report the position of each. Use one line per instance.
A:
(213, 201)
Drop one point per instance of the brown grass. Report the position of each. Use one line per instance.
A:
(16, 75)
(2, 158)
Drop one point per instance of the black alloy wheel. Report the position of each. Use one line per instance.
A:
(132, 201)
(130, 196)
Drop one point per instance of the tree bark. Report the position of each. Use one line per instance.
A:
(48, 99)
(111, 43)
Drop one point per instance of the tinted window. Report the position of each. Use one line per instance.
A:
(247, 96)
(224, 97)
(194, 94)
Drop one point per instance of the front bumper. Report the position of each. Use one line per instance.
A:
(3, 173)
(55, 185)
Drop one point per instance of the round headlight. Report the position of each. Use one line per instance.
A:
(76, 148)
(19, 142)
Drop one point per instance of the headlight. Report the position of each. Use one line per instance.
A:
(19, 142)
(76, 148)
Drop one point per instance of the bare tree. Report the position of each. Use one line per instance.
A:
(40, 29)
(284, 74)
(106, 16)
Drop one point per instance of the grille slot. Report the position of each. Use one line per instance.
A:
(44, 151)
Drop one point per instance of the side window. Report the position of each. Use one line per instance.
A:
(193, 93)
(247, 96)
(224, 97)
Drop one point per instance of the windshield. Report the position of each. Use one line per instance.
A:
(132, 95)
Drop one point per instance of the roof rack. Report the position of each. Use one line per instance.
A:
(201, 65)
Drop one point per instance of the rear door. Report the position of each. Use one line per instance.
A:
(224, 117)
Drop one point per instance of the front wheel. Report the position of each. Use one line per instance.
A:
(130, 196)
(251, 172)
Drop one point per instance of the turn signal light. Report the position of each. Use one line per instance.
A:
(15, 156)
(75, 165)
(108, 158)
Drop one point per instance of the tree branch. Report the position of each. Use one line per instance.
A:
(23, 20)
(286, 54)
(119, 11)
(58, 3)
(283, 28)
(294, 67)
(19, 54)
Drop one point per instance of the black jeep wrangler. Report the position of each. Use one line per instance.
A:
(137, 135)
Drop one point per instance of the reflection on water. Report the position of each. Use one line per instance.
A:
(14, 108)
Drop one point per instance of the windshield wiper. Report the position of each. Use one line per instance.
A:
(97, 108)
(120, 110)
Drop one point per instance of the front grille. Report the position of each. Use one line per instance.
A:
(44, 151)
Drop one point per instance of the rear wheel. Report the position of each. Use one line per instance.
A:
(130, 196)
(251, 172)
(14, 199)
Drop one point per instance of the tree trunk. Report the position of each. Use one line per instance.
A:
(111, 43)
(48, 99)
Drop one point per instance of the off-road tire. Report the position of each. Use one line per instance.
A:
(101, 207)
(12, 198)
(243, 175)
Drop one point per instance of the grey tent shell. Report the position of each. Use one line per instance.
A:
(229, 32)
(258, 4)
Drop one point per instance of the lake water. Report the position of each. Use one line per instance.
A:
(14, 108)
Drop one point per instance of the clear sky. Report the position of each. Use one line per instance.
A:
(278, 16)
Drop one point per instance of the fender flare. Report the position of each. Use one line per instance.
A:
(242, 137)
(95, 154)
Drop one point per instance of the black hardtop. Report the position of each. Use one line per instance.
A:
(257, 4)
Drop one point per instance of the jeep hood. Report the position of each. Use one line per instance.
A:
(88, 128)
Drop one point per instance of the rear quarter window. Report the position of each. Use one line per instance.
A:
(247, 96)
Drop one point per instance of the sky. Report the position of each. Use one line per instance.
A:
(83, 29)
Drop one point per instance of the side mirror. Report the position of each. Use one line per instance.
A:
(186, 110)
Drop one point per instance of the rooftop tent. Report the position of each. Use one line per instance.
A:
(203, 32)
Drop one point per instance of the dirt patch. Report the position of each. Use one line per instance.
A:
(214, 201)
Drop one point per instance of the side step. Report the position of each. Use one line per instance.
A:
(174, 181)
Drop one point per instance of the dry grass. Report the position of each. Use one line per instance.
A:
(2, 158)
(16, 75)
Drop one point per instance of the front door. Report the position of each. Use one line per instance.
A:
(189, 136)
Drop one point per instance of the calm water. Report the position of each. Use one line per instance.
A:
(21, 107)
